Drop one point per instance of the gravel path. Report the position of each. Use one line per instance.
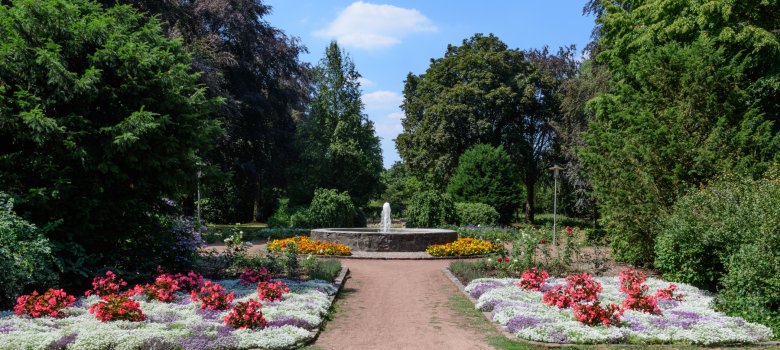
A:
(398, 305)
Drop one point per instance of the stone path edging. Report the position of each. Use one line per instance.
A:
(512, 337)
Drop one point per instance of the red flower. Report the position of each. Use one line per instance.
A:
(271, 290)
(594, 314)
(543, 241)
(246, 315)
(569, 231)
(117, 307)
(533, 279)
(668, 293)
(49, 304)
(104, 286)
(213, 296)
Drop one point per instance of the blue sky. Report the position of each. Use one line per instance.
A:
(389, 39)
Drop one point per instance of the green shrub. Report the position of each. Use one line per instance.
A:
(476, 214)
(329, 208)
(281, 217)
(430, 209)
(726, 237)
(326, 270)
(751, 288)
(486, 174)
(25, 255)
(706, 227)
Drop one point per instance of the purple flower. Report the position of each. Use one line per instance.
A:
(291, 321)
(199, 342)
(482, 288)
(62, 342)
(558, 337)
(208, 314)
(521, 322)
(6, 328)
(157, 343)
(685, 314)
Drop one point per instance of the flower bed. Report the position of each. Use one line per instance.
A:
(463, 247)
(688, 321)
(305, 245)
(182, 323)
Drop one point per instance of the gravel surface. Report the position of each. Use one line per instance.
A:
(398, 304)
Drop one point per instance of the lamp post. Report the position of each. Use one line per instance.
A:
(556, 170)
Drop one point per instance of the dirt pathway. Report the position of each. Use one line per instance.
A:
(398, 304)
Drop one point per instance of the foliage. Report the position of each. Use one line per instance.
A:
(271, 291)
(477, 214)
(102, 118)
(48, 304)
(25, 255)
(463, 247)
(692, 94)
(331, 208)
(116, 307)
(281, 217)
(706, 227)
(396, 189)
(326, 270)
(186, 239)
(255, 68)
(246, 314)
(751, 288)
(430, 209)
(218, 233)
(338, 146)
(482, 92)
(212, 296)
(305, 245)
(485, 174)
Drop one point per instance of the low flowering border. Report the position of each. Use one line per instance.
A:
(305, 245)
(291, 322)
(463, 247)
(521, 313)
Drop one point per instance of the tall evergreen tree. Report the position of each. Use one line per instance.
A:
(693, 92)
(339, 148)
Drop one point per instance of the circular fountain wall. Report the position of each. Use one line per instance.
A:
(392, 240)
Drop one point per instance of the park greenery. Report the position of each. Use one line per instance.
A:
(129, 126)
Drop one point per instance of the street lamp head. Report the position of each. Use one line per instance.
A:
(556, 169)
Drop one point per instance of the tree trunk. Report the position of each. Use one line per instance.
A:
(530, 184)
(256, 210)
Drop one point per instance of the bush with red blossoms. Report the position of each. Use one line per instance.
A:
(49, 304)
(533, 279)
(104, 286)
(189, 282)
(254, 275)
(162, 289)
(246, 315)
(631, 282)
(594, 314)
(117, 307)
(271, 290)
(557, 296)
(212, 296)
(582, 287)
(637, 298)
(668, 293)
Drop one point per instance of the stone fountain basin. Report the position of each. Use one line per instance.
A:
(394, 240)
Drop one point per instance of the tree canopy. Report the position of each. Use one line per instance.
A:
(693, 92)
(338, 145)
(101, 119)
(483, 92)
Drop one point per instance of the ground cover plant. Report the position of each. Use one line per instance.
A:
(224, 314)
(626, 309)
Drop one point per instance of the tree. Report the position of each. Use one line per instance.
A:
(339, 149)
(256, 70)
(486, 175)
(101, 119)
(482, 92)
(693, 92)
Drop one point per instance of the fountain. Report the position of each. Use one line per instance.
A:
(385, 238)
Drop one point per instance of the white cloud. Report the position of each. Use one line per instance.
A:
(365, 82)
(396, 116)
(373, 26)
(382, 100)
